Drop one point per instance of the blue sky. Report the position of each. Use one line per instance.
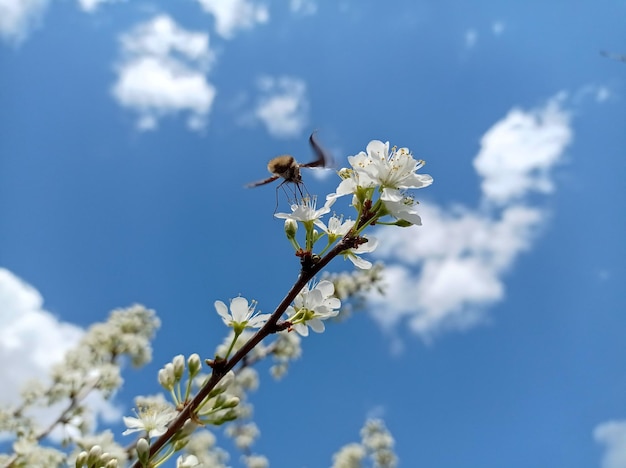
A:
(127, 132)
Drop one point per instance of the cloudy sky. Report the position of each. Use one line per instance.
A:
(127, 132)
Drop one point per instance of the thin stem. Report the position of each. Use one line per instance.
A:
(232, 344)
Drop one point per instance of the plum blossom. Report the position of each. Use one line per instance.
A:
(187, 461)
(353, 254)
(400, 206)
(152, 418)
(336, 228)
(379, 167)
(241, 314)
(311, 306)
(397, 169)
(306, 210)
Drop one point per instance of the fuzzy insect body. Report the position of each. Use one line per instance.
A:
(287, 168)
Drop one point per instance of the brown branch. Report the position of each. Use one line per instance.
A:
(220, 369)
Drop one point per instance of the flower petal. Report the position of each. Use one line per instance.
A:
(222, 310)
(316, 325)
(359, 262)
(326, 287)
(392, 195)
(377, 148)
(240, 310)
(258, 321)
(302, 329)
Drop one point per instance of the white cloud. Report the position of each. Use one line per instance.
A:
(233, 15)
(283, 107)
(445, 274)
(163, 72)
(31, 339)
(19, 17)
(92, 5)
(613, 435)
(518, 152)
(461, 257)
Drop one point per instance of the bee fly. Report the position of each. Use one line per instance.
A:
(287, 168)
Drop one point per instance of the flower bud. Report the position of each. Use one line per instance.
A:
(230, 415)
(179, 366)
(219, 401)
(143, 451)
(223, 384)
(81, 459)
(194, 364)
(166, 378)
(94, 455)
(231, 402)
(291, 227)
(188, 428)
(403, 223)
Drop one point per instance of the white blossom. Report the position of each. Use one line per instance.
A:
(367, 247)
(153, 416)
(202, 445)
(400, 206)
(287, 347)
(30, 453)
(397, 169)
(187, 461)
(243, 435)
(352, 179)
(377, 439)
(241, 314)
(378, 167)
(336, 228)
(306, 210)
(106, 442)
(349, 456)
(256, 461)
(311, 306)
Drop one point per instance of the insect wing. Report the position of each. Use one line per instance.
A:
(322, 160)
(262, 182)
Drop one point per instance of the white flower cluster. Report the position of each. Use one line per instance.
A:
(376, 442)
(389, 174)
(314, 303)
(306, 212)
(379, 442)
(378, 181)
(202, 445)
(90, 371)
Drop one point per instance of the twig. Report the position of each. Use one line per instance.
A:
(220, 369)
